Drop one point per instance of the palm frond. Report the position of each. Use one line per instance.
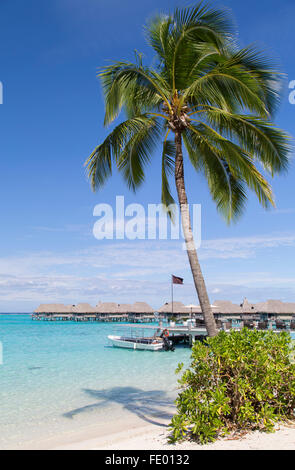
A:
(266, 72)
(99, 164)
(137, 152)
(241, 164)
(194, 26)
(139, 88)
(268, 144)
(157, 32)
(227, 183)
(227, 83)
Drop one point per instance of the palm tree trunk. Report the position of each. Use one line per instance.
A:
(189, 241)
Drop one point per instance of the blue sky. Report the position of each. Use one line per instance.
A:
(51, 119)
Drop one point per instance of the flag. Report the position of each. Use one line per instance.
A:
(177, 280)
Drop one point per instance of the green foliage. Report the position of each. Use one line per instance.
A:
(237, 381)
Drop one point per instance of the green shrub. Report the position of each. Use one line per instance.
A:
(237, 381)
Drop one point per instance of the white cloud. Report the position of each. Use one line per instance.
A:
(244, 247)
(138, 270)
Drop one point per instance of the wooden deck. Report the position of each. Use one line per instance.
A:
(192, 332)
(105, 318)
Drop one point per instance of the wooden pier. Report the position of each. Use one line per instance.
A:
(106, 318)
(191, 334)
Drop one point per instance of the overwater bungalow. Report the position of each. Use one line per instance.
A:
(141, 312)
(177, 309)
(54, 312)
(108, 311)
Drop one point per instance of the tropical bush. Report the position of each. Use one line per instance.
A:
(238, 381)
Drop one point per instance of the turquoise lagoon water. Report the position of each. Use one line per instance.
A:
(58, 378)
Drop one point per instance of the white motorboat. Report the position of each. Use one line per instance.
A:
(149, 344)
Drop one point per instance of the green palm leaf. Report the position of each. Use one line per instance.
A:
(137, 153)
(131, 85)
(268, 144)
(128, 146)
(227, 190)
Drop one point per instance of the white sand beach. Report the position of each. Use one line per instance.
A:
(150, 432)
(154, 437)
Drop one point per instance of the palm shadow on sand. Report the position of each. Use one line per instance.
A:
(147, 405)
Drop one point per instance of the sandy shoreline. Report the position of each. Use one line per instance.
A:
(148, 430)
(154, 437)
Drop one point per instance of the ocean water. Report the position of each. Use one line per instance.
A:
(58, 378)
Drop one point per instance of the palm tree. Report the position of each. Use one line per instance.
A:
(208, 95)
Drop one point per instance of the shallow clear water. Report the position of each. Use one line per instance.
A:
(59, 377)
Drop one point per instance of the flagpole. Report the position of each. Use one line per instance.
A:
(172, 292)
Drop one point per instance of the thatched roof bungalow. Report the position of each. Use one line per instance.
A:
(285, 310)
(226, 307)
(221, 309)
(178, 308)
(83, 309)
(54, 308)
(142, 308)
(106, 307)
(247, 309)
(124, 309)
